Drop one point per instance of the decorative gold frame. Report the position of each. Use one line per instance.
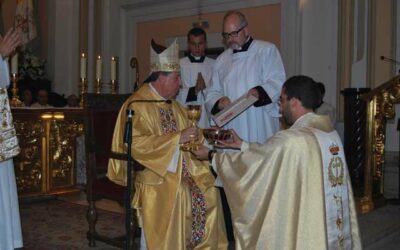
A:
(380, 103)
(47, 162)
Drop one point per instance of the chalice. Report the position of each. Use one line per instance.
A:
(193, 113)
(215, 134)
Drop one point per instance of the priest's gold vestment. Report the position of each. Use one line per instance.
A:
(276, 191)
(178, 210)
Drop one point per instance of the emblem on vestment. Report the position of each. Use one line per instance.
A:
(336, 167)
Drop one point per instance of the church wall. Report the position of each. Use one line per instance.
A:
(360, 36)
(42, 21)
(64, 55)
(392, 135)
(372, 26)
(382, 42)
(319, 44)
(8, 12)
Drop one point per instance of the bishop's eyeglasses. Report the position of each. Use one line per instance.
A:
(234, 33)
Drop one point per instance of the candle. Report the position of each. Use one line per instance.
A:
(83, 65)
(14, 64)
(98, 67)
(113, 68)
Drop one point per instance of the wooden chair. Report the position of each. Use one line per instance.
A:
(101, 111)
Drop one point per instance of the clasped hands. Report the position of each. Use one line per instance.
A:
(200, 83)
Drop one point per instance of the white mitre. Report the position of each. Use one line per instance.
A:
(166, 61)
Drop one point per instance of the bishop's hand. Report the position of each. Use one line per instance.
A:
(201, 153)
(188, 134)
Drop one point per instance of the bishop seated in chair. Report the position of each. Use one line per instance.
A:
(177, 203)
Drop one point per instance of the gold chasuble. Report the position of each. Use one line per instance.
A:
(177, 203)
(293, 192)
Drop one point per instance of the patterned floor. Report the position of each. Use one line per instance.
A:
(60, 225)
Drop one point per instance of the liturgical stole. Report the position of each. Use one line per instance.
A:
(336, 191)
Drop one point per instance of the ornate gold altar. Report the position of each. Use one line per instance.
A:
(380, 103)
(47, 137)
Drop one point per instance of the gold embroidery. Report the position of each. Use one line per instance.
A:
(339, 223)
(340, 242)
(334, 149)
(336, 178)
(165, 67)
(8, 139)
(336, 171)
(168, 123)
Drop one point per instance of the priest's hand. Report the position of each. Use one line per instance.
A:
(223, 102)
(200, 84)
(9, 42)
(233, 141)
(188, 135)
(201, 153)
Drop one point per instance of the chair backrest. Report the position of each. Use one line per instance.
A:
(101, 111)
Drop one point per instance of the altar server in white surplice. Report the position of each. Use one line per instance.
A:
(294, 191)
(10, 225)
(325, 108)
(252, 67)
(196, 70)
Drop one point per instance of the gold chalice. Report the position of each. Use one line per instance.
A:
(214, 134)
(193, 113)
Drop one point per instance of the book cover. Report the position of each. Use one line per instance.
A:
(234, 109)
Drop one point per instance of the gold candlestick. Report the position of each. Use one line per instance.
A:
(114, 86)
(97, 86)
(83, 88)
(15, 102)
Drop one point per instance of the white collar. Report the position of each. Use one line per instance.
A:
(302, 121)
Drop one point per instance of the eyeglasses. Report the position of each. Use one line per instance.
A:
(232, 34)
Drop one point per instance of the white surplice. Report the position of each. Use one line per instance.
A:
(329, 110)
(189, 74)
(236, 73)
(10, 225)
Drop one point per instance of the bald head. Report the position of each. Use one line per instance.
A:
(235, 30)
(237, 16)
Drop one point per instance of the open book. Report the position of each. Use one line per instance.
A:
(229, 113)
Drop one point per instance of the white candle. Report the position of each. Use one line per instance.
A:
(113, 68)
(14, 64)
(83, 65)
(98, 67)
